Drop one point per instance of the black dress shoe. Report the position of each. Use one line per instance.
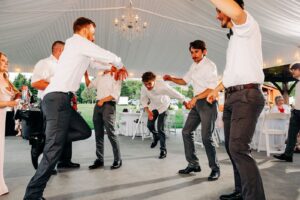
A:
(232, 196)
(155, 141)
(163, 154)
(68, 164)
(97, 164)
(116, 164)
(188, 170)
(214, 175)
(41, 198)
(53, 172)
(284, 157)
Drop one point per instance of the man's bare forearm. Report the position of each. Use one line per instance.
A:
(178, 81)
(231, 9)
(40, 85)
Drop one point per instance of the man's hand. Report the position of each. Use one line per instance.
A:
(150, 115)
(187, 105)
(121, 74)
(192, 103)
(167, 78)
(212, 96)
(100, 103)
(86, 74)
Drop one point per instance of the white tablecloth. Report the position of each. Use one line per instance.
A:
(126, 124)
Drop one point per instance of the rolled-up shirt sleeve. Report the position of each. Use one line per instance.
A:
(144, 98)
(188, 76)
(41, 72)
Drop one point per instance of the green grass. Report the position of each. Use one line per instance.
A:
(87, 110)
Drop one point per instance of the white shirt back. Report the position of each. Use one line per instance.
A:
(244, 62)
(202, 76)
(44, 70)
(159, 97)
(74, 61)
(106, 85)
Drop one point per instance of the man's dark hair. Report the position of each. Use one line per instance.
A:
(55, 43)
(295, 65)
(148, 76)
(241, 3)
(198, 44)
(81, 22)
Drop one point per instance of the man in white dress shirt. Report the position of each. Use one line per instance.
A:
(294, 125)
(104, 117)
(203, 77)
(155, 98)
(42, 74)
(244, 101)
(60, 117)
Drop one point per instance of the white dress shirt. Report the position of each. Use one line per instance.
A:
(202, 76)
(106, 85)
(74, 61)
(286, 108)
(159, 97)
(244, 62)
(44, 70)
(297, 96)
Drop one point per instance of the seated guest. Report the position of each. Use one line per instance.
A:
(108, 93)
(158, 93)
(7, 95)
(279, 106)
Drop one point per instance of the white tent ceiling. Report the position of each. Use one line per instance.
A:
(28, 28)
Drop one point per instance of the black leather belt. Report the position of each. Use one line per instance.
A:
(236, 88)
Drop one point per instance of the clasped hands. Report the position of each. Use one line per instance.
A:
(119, 74)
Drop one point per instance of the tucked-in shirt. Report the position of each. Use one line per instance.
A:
(159, 97)
(202, 76)
(297, 96)
(244, 62)
(106, 86)
(44, 70)
(285, 107)
(74, 61)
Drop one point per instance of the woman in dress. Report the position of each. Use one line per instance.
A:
(7, 95)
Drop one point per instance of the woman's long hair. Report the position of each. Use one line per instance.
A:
(5, 75)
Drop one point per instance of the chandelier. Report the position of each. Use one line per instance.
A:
(129, 24)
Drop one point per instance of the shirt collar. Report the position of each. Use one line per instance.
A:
(53, 58)
(201, 62)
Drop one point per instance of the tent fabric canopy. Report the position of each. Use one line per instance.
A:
(28, 28)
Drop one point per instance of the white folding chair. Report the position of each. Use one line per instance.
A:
(171, 122)
(141, 127)
(274, 124)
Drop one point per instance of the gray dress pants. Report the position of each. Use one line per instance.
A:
(63, 125)
(206, 114)
(241, 111)
(104, 119)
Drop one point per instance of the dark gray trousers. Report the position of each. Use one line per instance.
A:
(206, 114)
(160, 132)
(66, 154)
(104, 118)
(63, 124)
(241, 111)
(294, 128)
